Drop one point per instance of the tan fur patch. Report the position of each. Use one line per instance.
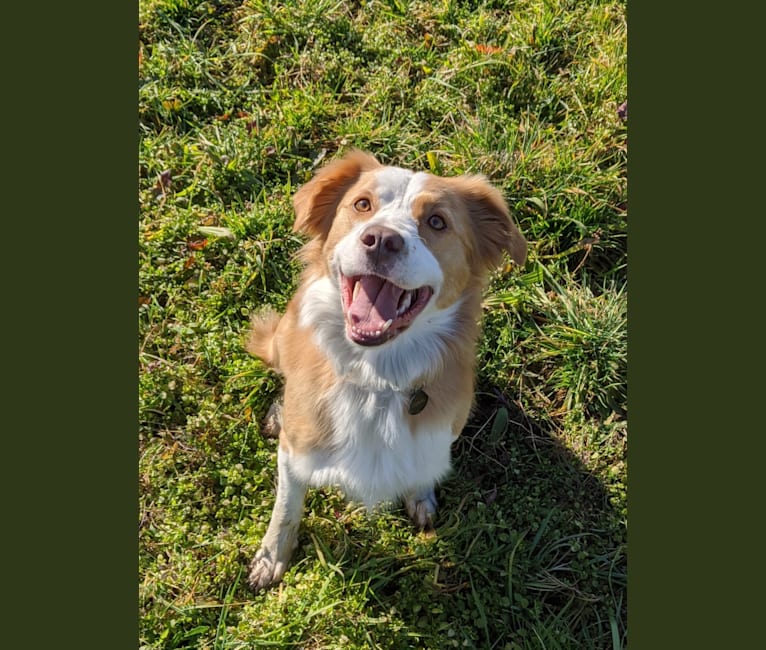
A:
(308, 378)
(260, 342)
(451, 390)
(316, 202)
(494, 228)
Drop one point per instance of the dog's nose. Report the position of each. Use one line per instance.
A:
(380, 240)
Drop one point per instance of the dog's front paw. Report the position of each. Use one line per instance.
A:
(421, 508)
(265, 570)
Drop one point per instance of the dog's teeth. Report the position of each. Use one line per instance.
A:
(357, 287)
(386, 325)
(405, 304)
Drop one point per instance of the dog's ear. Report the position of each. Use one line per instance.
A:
(316, 202)
(494, 229)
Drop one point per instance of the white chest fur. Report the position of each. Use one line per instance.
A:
(374, 456)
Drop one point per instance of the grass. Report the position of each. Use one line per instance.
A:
(238, 103)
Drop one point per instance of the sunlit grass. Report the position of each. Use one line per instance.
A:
(239, 102)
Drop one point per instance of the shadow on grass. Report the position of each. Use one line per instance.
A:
(539, 541)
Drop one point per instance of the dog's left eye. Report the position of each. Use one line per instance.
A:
(362, 205)
(436, 222)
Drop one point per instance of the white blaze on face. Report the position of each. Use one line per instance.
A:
(416, 266)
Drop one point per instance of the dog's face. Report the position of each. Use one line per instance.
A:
(399, 245)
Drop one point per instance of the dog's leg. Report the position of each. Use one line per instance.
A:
(421, 507)
(272, 423)
(270, 562)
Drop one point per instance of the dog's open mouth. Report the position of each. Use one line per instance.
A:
(376, 310)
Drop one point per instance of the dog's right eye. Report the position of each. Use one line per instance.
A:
(437, 222)
(362, 205)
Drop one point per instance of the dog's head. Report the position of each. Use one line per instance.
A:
(399, 244)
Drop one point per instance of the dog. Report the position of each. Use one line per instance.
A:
(377, 347)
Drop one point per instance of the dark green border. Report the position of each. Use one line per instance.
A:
(69, 309)
(695, 240)
(69, 263)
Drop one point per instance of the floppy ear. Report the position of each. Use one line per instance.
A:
(316, 202)
(494, 228)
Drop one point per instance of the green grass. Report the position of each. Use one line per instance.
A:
(238, 103)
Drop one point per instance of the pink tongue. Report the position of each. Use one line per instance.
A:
(374, 304)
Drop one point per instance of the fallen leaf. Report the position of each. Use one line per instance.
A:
(171, 104)
(433, 162)
(217, 231)
(499, 424)
(488, 49)
(163, 183)
(622, 111)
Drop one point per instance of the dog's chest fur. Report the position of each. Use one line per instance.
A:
(374, 454)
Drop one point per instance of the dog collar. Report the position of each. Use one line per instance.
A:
(418, 401)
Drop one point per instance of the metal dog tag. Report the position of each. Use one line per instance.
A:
(418, 401)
